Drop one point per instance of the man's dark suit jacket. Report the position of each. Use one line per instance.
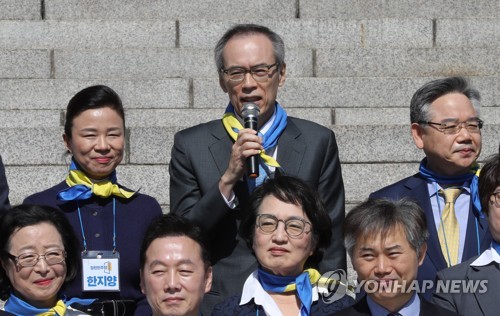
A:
(4, 188)
(361, 308)
(415, 187)
(200, 156)
(471, 303)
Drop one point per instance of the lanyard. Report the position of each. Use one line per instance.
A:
(114, 226)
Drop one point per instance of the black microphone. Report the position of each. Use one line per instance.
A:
(250, 114)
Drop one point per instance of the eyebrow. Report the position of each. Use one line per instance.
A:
(180, 262)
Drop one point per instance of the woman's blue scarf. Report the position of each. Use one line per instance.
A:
(281, 284)
(17, 306)
(472, 176)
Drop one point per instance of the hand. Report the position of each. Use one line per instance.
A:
(247, 144)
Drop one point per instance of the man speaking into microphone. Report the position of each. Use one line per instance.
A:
(209, 178)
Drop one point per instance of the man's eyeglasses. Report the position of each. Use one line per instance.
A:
(473, 126)
(496, 198)
(259, 73)
(294, 226)
(31, 259)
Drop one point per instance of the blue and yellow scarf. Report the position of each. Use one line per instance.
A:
(82, 187)
(270, 139)
(302, 284)
(17, 306)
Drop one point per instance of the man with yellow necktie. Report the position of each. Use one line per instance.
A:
(208, 177)
(445, 124)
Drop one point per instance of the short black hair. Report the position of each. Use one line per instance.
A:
(294, 191)
(27, 215)
(172, 225)
(93, 97)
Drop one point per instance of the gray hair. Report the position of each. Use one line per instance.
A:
(379, 216)
(249, 29)
(432, 90)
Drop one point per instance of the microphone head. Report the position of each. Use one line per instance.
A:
(250, 110)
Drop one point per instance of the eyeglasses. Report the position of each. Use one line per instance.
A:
(259, 73)
(31, 259)
(473, 126)
(294, 226)
(496, 198)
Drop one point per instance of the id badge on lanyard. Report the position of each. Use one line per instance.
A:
(101, 270)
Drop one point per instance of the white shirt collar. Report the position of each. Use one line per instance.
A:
(488, 256)
(252, 289)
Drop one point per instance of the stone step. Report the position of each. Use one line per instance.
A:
(339, 94)
(204, 33)
(161, 63)
(187, 117)
(152, 145)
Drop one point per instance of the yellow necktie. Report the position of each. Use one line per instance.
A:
(449, 232)
(59, 309)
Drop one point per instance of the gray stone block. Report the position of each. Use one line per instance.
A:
(412, 62)
(20, 10)
(482, 32)
(29, 118)
(151, 145)
(372, 116)
(27, 180)
(349, 92)
(167, 9)
(491, 115)
(150, 180)
(362, 179)
(295, 32)
(133, 64)
(32, 146)
(55, 93)
(86, 34)
(171, 117)
(360, 9)
(24, 64)
(396, 33)
(376, 143)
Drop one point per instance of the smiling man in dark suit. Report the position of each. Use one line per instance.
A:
(386, 241)
(208, 180)
(445, 124)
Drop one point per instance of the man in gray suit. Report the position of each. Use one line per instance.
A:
(480, 273)
(208, 178)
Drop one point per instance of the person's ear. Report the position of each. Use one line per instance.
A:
(208, 282)
(282, 75)
(222, 83)
(67, 143)
(423, 250)
(141, 282)
(417, 132)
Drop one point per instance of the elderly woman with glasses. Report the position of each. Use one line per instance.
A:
(39, 255)
(482, 269)
(287, 228)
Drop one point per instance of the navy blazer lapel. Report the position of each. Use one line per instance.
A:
(291, 151)
(488, 301)
(419, 192)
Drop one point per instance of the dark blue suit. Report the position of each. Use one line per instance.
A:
(4, 188)
(415, 187)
